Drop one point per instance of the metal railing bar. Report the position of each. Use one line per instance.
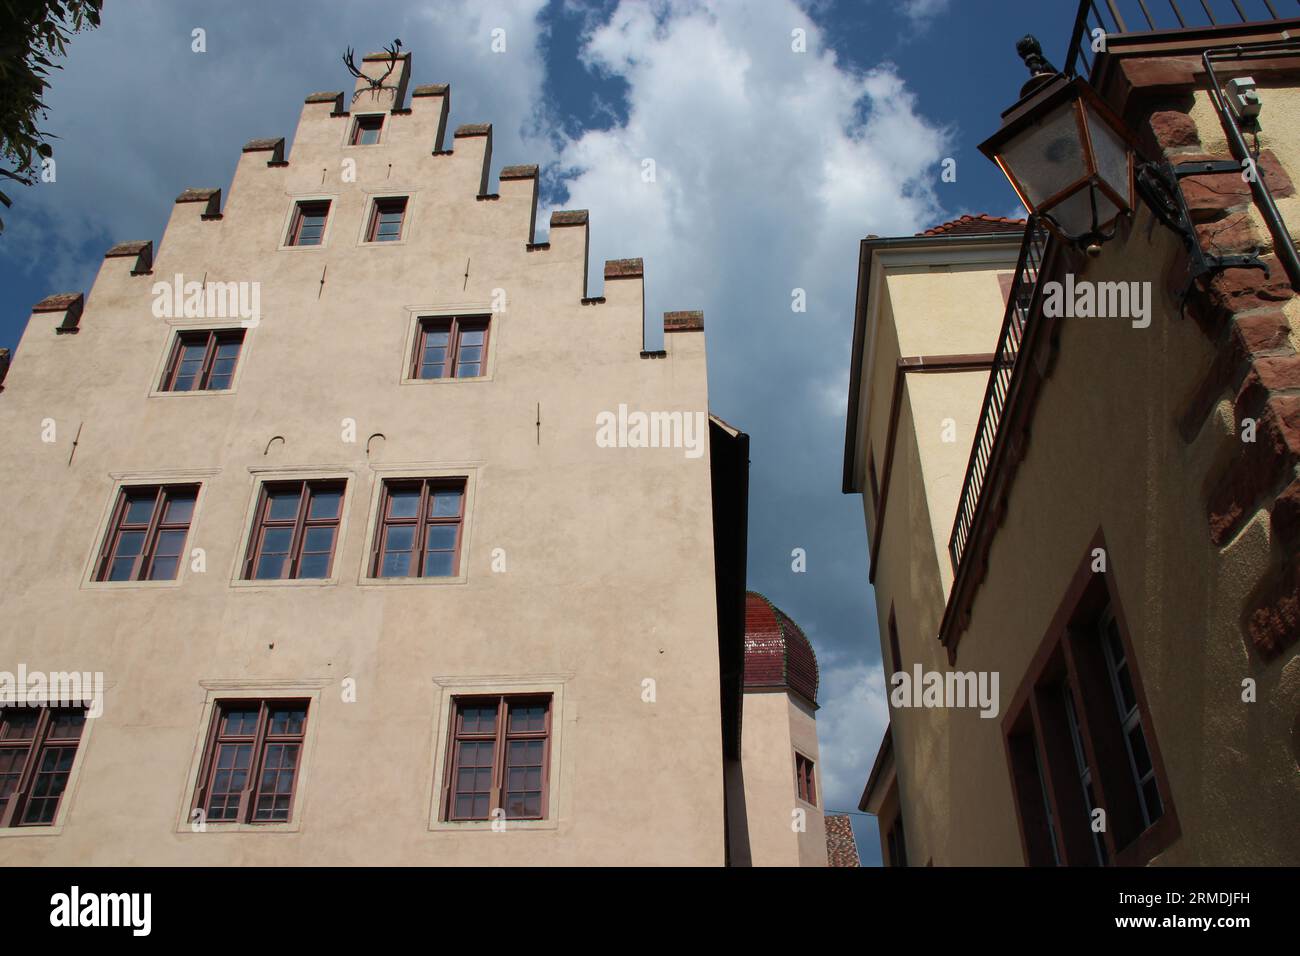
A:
(1114, 12)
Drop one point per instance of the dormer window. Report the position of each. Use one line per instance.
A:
(365, 130)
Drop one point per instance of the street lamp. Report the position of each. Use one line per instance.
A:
(1066, 154)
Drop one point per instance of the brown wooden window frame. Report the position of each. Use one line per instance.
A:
(896, 842)
(805, 774)
(302, 210)
(422, 521)
(1068, 744)
(299, 526)
(30, 769)
(158, 524)
(384, 206)
(212, 340)
(260, 741)
(365, 123)
(454, 326)
(500, 738)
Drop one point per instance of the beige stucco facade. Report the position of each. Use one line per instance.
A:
(1109, 460)
(586, 573)
(784, 829)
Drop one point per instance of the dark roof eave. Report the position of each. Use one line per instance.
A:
(886, 749)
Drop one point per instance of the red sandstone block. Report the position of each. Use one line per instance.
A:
(1262, 331)
(1174, 130)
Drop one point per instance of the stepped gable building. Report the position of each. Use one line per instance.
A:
(312, 496)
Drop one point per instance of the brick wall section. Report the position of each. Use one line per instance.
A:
(1241, 311)
(624, 269)
(841, 848)
(692, 321)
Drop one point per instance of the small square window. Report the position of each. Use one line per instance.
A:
(418, 534)
(38, 746)
(251, 761)
(500, 758)
(308, 226)
(365, 131)
(451, 347)
(805, 779)
(295, 530)
(146, 535)
(203, 361)
(386, 220)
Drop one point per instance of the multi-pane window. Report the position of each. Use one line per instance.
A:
(37, 748)
(365, 131)
(146, 534)
(308, 225)
(805, 779)
(499, 759)
(419, 529)
(203, 361)
(250, 763)
(1135, 742)
(1085, 773)
(1082, 759)
(295, 530)
(451, 347)
(386, 220)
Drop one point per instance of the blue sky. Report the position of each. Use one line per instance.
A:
(771, 165)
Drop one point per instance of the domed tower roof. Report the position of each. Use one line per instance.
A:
(777, 654)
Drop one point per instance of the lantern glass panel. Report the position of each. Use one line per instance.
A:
(1047, 156)
(1112, 155)
(1074, 213)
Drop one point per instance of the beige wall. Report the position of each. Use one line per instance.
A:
(953, 310)
(609, 552)
(777, 723)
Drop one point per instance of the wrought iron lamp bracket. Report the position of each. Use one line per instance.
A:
(1159, 184)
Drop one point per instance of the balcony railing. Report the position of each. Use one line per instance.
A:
(1118, 17)
(1022, 305)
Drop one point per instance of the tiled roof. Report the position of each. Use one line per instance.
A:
(841, 848)
(976, 225)
(777, 654)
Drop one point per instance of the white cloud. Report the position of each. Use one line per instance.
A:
(770, 166)
(919, 11)
(852, 720)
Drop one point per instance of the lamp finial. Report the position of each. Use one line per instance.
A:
(1040, 71)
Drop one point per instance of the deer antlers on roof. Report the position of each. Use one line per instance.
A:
(376, 83)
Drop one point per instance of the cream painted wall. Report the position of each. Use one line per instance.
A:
(609, 552)
(1104, 453)
(1279, 130)
(776, 725)
(931, 311)
(1110, 456)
